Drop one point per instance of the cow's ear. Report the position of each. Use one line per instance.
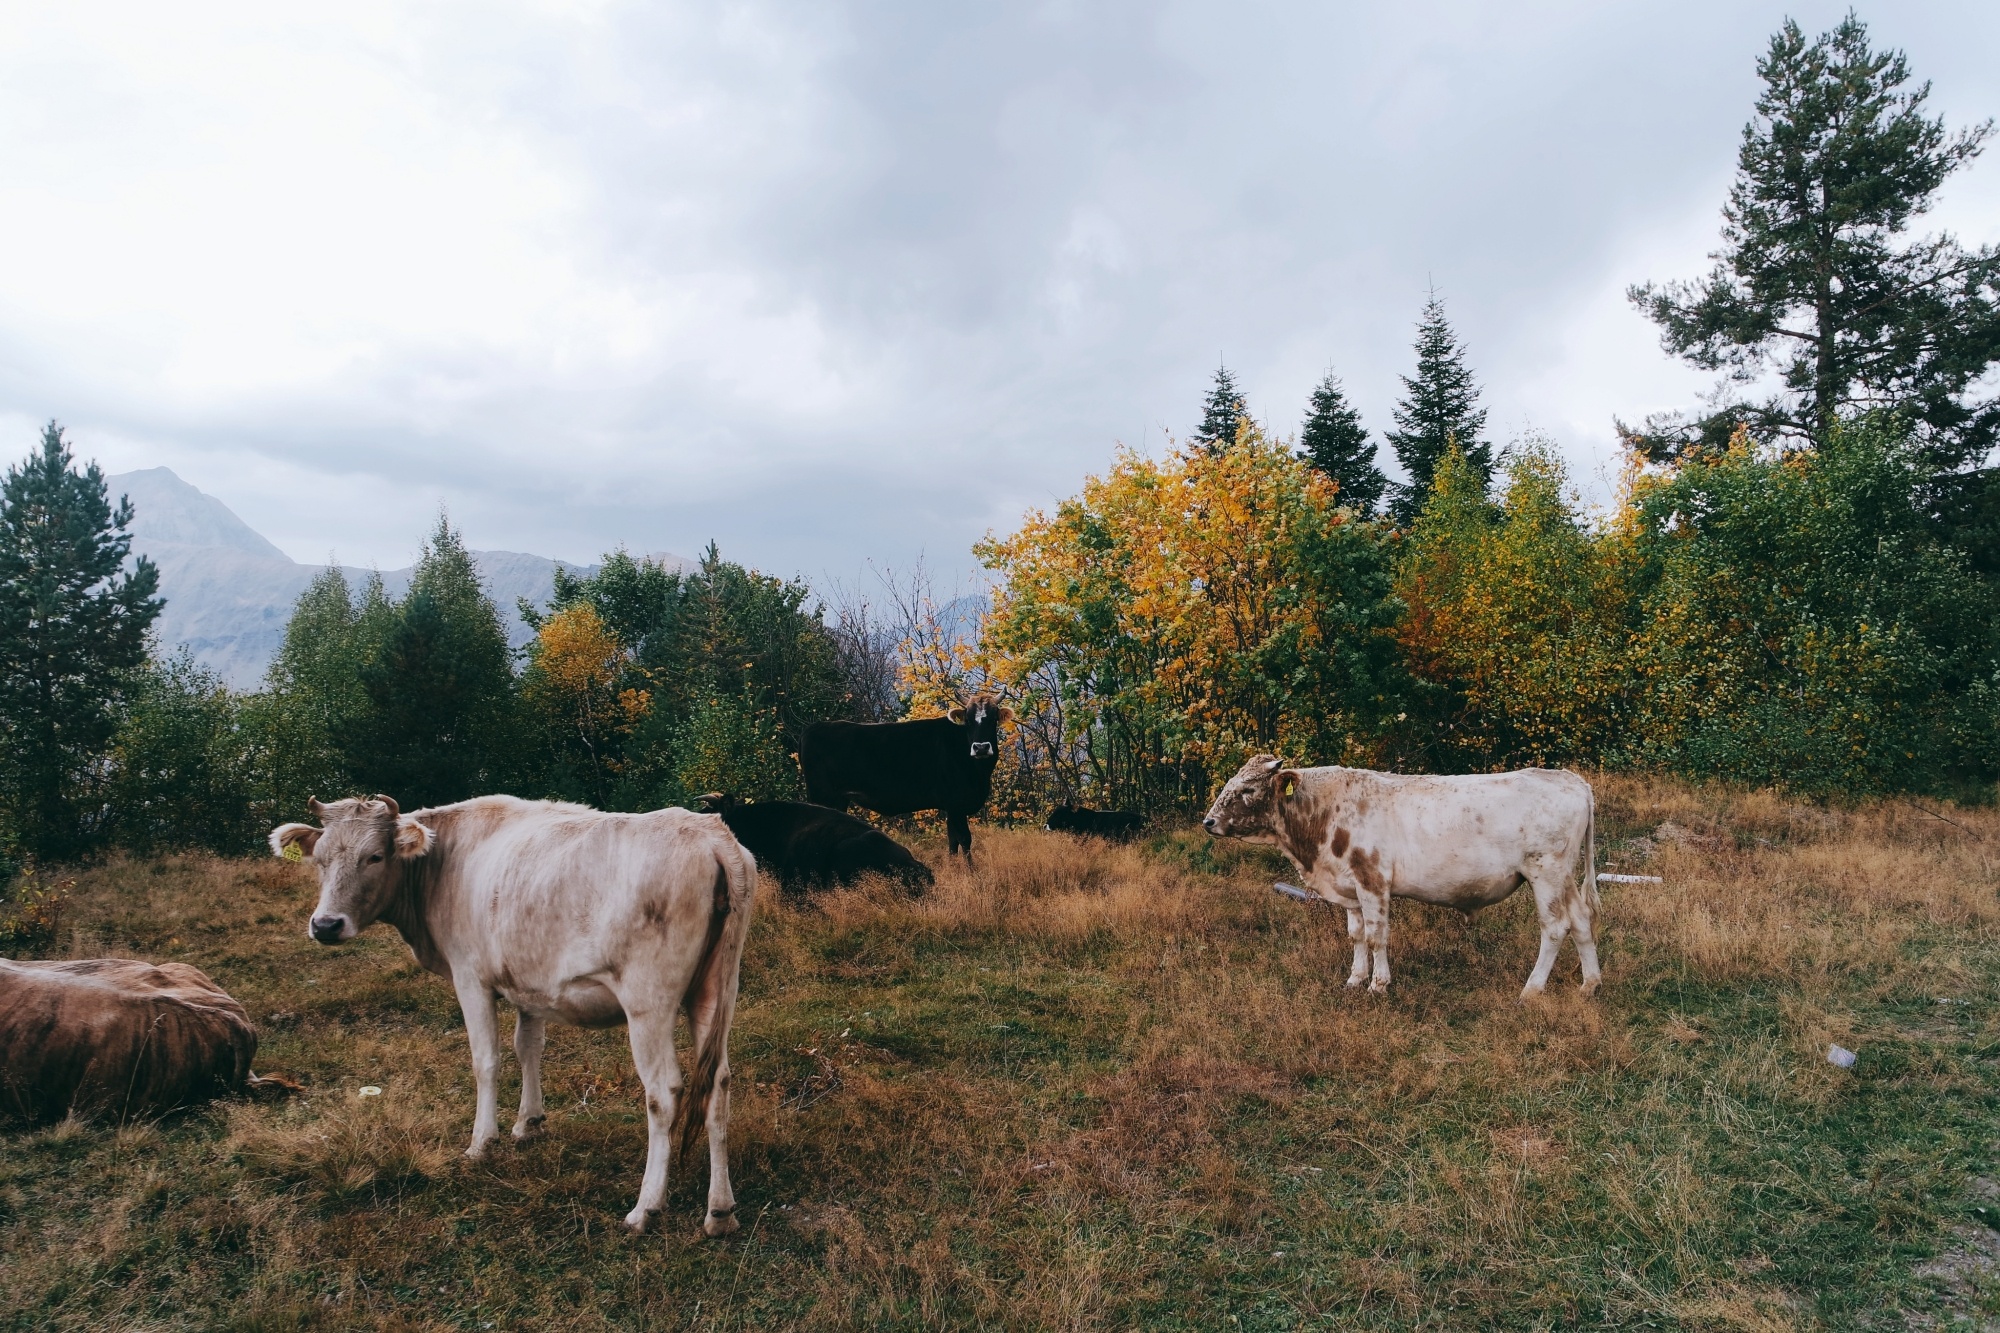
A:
(1006, 713)
(956, 717)
(291, 842)
(412, 839)
(1286, 780)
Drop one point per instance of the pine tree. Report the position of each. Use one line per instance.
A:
(1334, 441)
(73, 629)
(440, 686)
(1440, 410)
(1223, 414)
(1811, 280)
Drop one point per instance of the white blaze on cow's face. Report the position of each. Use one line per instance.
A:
(357, 853)
(1246, 804)
(981, 719)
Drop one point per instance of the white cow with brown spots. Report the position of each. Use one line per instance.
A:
(574, 915)
(1360, 838)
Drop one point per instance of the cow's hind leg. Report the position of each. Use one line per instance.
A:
(529, 1034)
(1551, 907)
(720, 1219)
(1358, 937)
(482, 1033)
(652, 1037)
(1583, 921)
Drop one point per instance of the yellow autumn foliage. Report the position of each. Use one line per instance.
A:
(1167, 613)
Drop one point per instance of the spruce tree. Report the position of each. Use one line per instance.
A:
(1812, 281)
(1223, 413)
(1440, 410)
(1334, 441)
(73, 626)
(440, 686)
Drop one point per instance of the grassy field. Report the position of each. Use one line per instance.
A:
(1094, 1087)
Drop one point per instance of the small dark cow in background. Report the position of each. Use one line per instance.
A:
(810, 847)
(898, 768)
(1118, 825)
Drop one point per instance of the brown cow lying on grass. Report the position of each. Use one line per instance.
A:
(116, 1037)
(1360, 838)
(572, 914)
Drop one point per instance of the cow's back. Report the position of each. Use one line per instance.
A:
(893, 768)
(1444, 829)
(116, 1036)
(536, 886)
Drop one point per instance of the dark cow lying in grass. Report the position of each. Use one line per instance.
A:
(1118, 825)
(116, 1037)
(899, 768)
(811, 847)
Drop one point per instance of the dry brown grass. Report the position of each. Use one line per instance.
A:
(1087, 1086)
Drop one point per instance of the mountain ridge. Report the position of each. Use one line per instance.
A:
(230, 591)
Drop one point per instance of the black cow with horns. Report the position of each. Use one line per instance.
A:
(898, 768)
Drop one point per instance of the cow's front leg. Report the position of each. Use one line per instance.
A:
(958, 835)
(1375, 936)
(482, 1033)
(529, 1034)
(1356, 936)
(660, 1074)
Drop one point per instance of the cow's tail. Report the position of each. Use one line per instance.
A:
(1590, 855)
(711, 987)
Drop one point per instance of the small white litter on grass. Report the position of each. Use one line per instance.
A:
(1606, 878)
(371, 1091)
(1841, 1057)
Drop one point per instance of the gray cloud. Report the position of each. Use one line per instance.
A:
(838, 282)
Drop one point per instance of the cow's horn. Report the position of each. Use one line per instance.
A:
(395, 811)
(312, 804)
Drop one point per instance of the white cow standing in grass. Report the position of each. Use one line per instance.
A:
(572, 914)
(1360, 838)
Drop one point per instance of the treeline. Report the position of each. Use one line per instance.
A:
(1775, 618)
(644, 687)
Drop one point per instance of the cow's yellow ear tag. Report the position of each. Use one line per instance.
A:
(1291, 785)
(292, 852)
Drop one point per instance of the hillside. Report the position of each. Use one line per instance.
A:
(1082, 1086)
(229, 590)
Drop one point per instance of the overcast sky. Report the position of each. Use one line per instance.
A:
(835, 282)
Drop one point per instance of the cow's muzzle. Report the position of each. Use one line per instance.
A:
(982, 749)
(329, 929)
(1212, 824)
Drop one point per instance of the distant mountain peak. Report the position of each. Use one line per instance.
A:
(167, 511)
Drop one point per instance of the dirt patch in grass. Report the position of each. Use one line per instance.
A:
(1090, 1086)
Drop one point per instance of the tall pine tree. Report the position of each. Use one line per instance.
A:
(1440, 408)
(73, 627)
(1334, 441)
(440, 687)
(1812, 281)
(1223, 414)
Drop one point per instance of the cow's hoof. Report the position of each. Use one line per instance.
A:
(477, 1152)
(1354, 983)
(1378, 988)
(531, 1128)
(635, 1221)
(1590, 988)
(1530, 993)
(720, 1222)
